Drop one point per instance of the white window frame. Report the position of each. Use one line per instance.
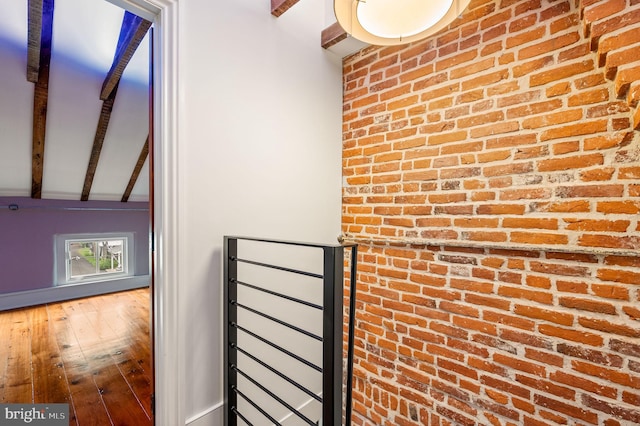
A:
(62, 260)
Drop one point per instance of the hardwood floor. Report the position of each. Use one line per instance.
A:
(93, 353)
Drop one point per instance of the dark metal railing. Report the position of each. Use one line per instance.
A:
(331, 370)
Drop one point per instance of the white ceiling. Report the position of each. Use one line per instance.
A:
(85, 35)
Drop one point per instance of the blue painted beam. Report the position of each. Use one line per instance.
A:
(132, 31)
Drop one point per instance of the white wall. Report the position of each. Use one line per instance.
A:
(259, 154)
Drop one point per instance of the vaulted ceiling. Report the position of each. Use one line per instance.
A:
(74, 103)
(74, 98)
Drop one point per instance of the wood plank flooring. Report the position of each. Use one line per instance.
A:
(93, 353)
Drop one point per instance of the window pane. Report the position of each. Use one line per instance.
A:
(82, 260)
(96, 257)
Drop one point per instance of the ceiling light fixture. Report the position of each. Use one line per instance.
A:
(388, 22)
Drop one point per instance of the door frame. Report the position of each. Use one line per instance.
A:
(169, 384)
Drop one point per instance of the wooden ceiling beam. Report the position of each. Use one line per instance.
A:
(41, 99)
(101, 132)
(278, 7)
(132, 31)
(136, 171)
(333, 34)
(34, 36)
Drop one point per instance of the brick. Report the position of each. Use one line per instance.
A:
(509, 169)
(572, 130)
(526, 37)
(501, 182)
(588, 305)
(624, 347)
(600, 240)
(547, 386)
(630, 261)
(620, 57)
(564, 22)
(538, 238)
(521, 293)
(455, 60)
(560, 73)
(447, 198)
(610, 291)
(485, 236)
(554, 11)
(602, 174)
(544, 356)
(619, 411)
(565, 147)
(572, 287)
(483, 196)
(589, 97)
(609, 327)
(530, 223)
(562, 207)
(538, 282)
(578, 51)
(541, 107)
(582, 383)
(487, 300)
(616, 376)
(526, 98)
(620, 276)
(516, 25)
(568, 409)
(447, 137)
(485, 80)
(597, 225)
(531, 340)
(602, 10)
(477, 325)
(475, 68)
(476, 222)
(510, 388)
(591, 355)
(632, 312)
(549, 45)
(556, 317)
(500, 209)
(603, 142)
(571, 162)
(590, 191)
(588, 338)
(474, 121)
(559, 269)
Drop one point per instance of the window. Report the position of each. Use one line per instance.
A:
(96, 257)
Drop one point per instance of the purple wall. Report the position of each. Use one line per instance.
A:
(27, 235)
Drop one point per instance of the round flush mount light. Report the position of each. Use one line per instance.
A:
(388, 22)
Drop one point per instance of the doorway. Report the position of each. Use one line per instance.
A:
(168, 341)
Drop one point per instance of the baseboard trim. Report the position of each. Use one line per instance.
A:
(215, 416)
(310, 408)
(22, 299)
(208, 416)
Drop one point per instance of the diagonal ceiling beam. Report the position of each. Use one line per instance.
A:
(41, 99)
(34, 34)
(101, 132)
(278, 7)
(132, 31)
(136, 171)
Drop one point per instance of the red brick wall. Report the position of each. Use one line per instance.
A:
(492, 180)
